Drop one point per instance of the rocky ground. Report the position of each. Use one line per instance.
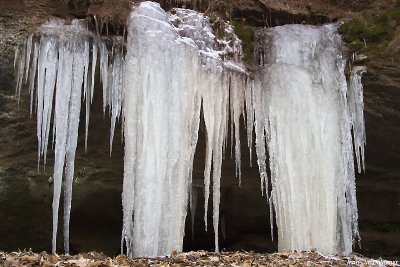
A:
(193, 258)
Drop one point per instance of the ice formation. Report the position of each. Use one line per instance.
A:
(175, 67)
(304, 112)
(297, 102)
(62, 70)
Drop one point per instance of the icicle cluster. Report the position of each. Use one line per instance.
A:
(303, 113)
(174, 67)
(60, 61)
(297, 103)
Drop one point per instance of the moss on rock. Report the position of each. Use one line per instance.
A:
(246, 35)
(366, 33)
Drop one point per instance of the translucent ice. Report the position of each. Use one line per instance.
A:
(57, 59)
(174, 67)
(297, 103)
(301, 112)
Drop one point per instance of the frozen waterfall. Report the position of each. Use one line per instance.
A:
(173, 69)
(303, 112)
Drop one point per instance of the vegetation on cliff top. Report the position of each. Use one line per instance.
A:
(371, 32)
(246, 35)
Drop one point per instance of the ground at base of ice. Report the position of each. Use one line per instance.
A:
(193, 258)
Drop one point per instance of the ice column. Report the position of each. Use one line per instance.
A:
(302, 114)
(162, 106)
(173, 64)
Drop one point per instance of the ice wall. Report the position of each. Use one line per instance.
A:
(173, 68)
(303, 113)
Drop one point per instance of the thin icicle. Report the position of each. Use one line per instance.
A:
(193, 208)
(28, 56)
(79, 74)
(90, 90)
(93, 72)
(20, 77)
(16, 56)
(104, 73)
(116, 94)
(249, 116)
(47, 72)
(356, 106)
(237, 86)
(86, 89)
(32, 77)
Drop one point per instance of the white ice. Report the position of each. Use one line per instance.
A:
(301, 113)
(174, 65)
(57, 59)
(297, 100)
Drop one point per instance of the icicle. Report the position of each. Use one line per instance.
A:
(86, 89)
(63, 96)
(33, 76)
(215, 109)
(249, 116)
(193, 207)
(356, 106)
(259, 105)
(60, 62)
(20, 76)
(104, 72)
(79, 74)
(16, 56)
(94, 64)
(90, 91)
(237, 104)
(28, 56)
(47, 71)
(271, 214)
(117, 86)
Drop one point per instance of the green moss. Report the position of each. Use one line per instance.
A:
(373, 29)
(246, 34)
(393, 14)
(357, 45)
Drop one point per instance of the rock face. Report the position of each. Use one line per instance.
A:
(25, 192)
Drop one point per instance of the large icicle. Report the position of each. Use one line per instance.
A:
(63, 66)
(162, 109)
(175, 62)
(117, 72)
(301, 111)
(220, 80)
(215, 109)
